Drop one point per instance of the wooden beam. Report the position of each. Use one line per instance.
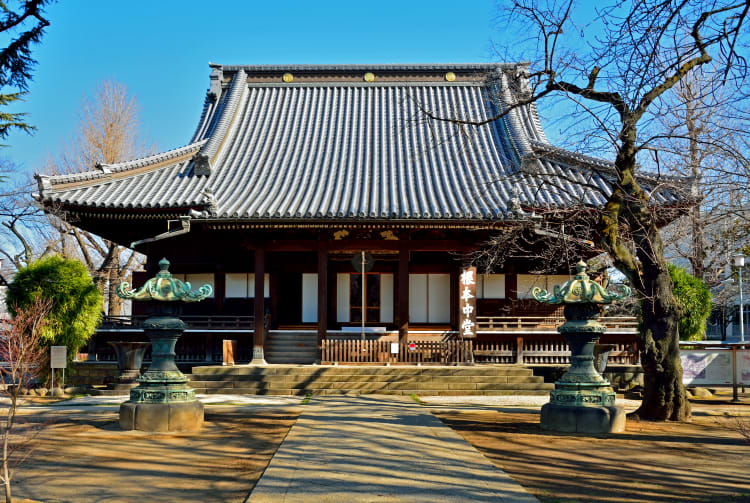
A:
(371, 245)
(259, 357)
(322, 290)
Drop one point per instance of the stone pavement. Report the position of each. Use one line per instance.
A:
(379, 448)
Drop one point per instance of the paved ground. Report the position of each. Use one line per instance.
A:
(384, 448)
(531, 401)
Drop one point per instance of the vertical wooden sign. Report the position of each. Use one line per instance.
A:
(467, 305)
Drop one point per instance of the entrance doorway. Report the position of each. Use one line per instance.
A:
(378, 307)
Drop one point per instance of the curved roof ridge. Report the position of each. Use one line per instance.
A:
(105, 170)
(208, 154)
(542, 149)
(210, 106)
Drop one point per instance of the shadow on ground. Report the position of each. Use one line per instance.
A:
(705, 460)
(86, 457)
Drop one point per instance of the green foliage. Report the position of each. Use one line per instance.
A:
(76, 302)
(25, 23)
(694, 297)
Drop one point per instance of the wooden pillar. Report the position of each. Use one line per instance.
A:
(259, 335)
(403, 294)
(322, 289)
(511, 288)
(220, 282)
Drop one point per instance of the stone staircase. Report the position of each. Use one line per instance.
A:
(396, 380)
(291, 347)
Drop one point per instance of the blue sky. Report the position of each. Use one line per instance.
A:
(160, 50)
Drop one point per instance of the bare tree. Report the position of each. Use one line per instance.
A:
(703, 139)
(23, 355)
(108, 133)
(26, 233)
(620, 65)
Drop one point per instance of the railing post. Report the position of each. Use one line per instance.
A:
(519, 350)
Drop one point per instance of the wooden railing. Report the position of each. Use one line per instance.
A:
(547, 351)
(191, 347)
(208, 322)
(537, 323)
(379, 352)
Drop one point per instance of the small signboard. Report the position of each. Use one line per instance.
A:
(743, 367)
(714, 367)
(58, 357)
(706, 367)
(467, 305)
(394, 348)
(412, 346)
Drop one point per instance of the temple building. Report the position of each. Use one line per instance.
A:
(313, 196)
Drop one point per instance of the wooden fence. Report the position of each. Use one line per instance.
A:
(545, 323)
(545, 351)
(379, 352)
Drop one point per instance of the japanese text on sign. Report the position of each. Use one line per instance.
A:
(467, 288)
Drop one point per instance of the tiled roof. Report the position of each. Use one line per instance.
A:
(350, 149)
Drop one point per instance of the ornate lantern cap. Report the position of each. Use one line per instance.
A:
(164, 287)
(580, 290)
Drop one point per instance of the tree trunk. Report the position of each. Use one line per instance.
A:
(6, 461)
(628, 212)
(697, 257)
(664, 396)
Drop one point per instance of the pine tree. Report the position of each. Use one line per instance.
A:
(24, 26)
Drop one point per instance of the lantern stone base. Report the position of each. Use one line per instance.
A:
(161, 417)
(583, 418)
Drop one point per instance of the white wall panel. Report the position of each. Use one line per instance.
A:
(526, 282)
(309, 298)
(418, 298)
(342, 298)
(386, 298)
(557, 279)
(439, 309)
(251, 285)
(198, 280)
(493, 286)
(236, 285)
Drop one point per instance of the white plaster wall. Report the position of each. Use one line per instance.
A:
(418, 298)
(439, 308)
(251, 285)
(236, 285)
(309, 298)
(342, 298)
(386, 298)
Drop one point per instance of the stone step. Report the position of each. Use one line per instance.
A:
(371, 391)
(356, 379)
(396, 370)
(353, 385)
(379, 385)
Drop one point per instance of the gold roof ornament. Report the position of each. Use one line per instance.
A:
(369, 77)
(287, 77)
(450, 76)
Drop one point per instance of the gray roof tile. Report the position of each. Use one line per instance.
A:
(353, 151)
